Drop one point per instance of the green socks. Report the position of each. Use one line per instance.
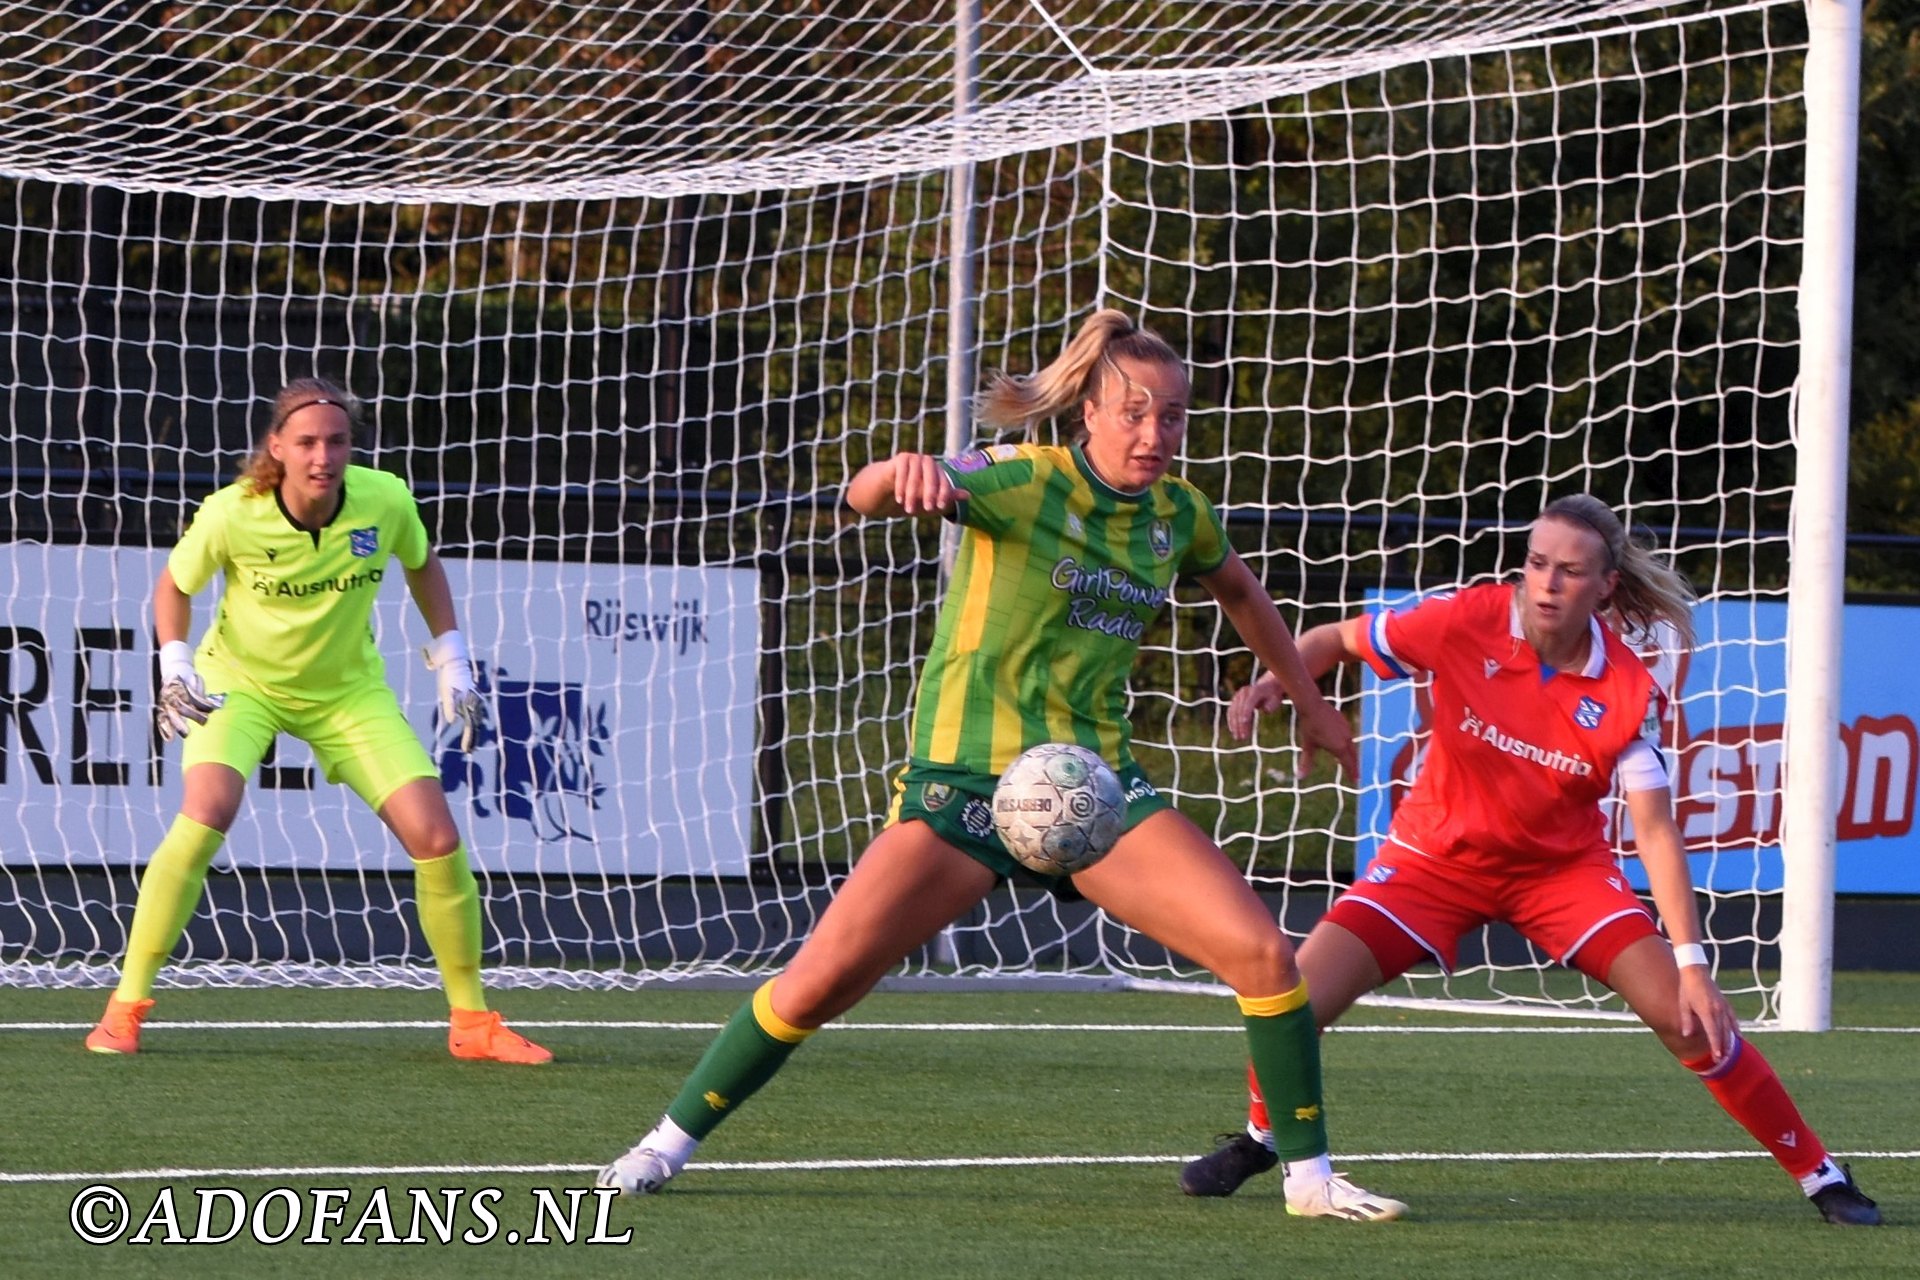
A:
(1285, 1047)
(754, 1045)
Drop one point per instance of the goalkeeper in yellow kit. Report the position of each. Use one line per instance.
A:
(303, 539)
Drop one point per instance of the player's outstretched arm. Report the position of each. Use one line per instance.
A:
(907, 484)
(446, 653)
(1321, 648)
(1317, 725)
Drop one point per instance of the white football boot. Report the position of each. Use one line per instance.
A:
(640, 1172)
(1338, 1198)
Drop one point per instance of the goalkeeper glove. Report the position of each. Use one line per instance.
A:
(184, 700)
(452, 667)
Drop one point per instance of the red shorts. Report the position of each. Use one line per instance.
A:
(1409, 907)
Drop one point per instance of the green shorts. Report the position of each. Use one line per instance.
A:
(958, 805)
(361, 738)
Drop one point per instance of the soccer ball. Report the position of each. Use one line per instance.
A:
(1058, 808)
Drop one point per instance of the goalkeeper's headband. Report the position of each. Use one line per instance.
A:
(308, 404)
(342, 405)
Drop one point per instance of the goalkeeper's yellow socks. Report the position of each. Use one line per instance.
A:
(1285, 1046)
(169, 890)
(746, 1054)
(448, 899)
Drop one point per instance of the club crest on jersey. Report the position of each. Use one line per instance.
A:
(1075, 527)
(364, 542)
(1160, 538)
(1492, 667)
(1378, 873)
(1587, 714)
(971, 460)
(1004, 452)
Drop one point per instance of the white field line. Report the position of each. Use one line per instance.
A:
(957, 1162)
(1502, 1029)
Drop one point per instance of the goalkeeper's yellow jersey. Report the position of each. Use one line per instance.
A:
(295, 617)
(1058, 576)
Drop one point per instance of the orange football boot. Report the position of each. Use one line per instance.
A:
(119, 1029)
(480, 1036)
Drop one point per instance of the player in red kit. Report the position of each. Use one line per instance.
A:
(1539, 708)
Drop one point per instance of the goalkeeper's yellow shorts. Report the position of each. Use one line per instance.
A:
(361, 738)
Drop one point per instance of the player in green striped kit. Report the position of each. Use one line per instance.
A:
(1067, 555)
(304, 539)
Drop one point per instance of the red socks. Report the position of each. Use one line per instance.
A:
(1744, 1084)
(1257, 1106)
(1748, 1089)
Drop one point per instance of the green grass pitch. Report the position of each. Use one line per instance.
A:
(966, 1134)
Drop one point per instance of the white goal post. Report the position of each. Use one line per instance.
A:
(631, 289)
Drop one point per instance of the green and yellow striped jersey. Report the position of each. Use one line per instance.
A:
(295, 618)
(1057, 578)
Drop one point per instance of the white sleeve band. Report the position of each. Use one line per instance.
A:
(176, 660)
(1690, 955)
(448, 646)
(1640, 767)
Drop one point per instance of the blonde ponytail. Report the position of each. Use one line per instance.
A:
(1074, 376)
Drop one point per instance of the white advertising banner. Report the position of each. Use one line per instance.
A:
(620, 736)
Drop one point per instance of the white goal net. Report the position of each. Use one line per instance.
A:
(631, 289)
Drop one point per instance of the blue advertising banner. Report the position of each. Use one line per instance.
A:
(1724, 748)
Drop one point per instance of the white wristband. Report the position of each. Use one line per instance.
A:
(1690, 955)
(176, 660)
(448, 646)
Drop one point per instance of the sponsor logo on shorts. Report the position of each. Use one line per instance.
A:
(1140, 789)
(971, 460)
(935, 796)
(1587, 714)
(976, 818)
(364, 542)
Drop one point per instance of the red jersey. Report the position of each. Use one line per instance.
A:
(1521, 756)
